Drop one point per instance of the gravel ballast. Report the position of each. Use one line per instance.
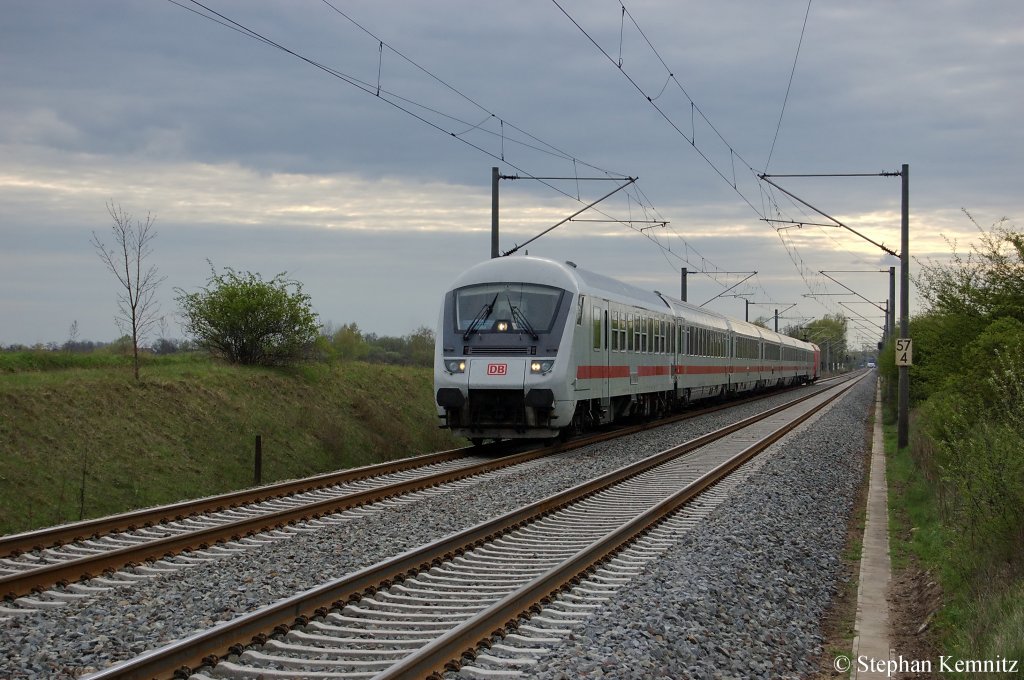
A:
(788, 537)
(743, 594)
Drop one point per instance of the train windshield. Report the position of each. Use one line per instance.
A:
(527, 307)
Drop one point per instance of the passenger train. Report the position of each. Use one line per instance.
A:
(532, 348)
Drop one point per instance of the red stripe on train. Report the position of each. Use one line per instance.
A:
(608, 372)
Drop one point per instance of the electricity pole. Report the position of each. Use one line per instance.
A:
(903, 398)
(495, 252)
(903, 424)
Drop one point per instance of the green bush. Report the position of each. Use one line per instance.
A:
(967, 443)
(249, 321)
(979, 436)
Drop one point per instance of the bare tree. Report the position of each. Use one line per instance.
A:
(137, 305)
(72, 337)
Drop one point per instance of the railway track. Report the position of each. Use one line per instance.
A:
(432, 608)
(192, 532)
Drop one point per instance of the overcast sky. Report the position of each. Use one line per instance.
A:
(251, 158)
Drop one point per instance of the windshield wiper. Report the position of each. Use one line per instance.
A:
(521, 318)
(480, 317)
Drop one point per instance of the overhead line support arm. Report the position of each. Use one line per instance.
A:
(561, 222)
(826, 215)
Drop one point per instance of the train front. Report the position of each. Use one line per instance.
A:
(502, 360)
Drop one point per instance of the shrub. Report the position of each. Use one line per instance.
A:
(246, 320)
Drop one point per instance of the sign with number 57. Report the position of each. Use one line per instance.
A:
(904, 352)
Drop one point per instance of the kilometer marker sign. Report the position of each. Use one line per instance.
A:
(904, 352)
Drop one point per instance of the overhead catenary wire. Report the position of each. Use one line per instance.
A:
(407, 106)
(397, 101)
(768, 200)
(694, 109)
(789, 86)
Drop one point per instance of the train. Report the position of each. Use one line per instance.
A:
(531, 348)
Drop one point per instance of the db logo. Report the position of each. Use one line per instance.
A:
(497, 369)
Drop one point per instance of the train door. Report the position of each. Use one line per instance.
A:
(728, 358)
(600, 355)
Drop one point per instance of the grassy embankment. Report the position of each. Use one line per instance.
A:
(79, 437)
(981, 616)
(957, 490)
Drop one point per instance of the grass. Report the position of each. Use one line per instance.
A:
(45, 360)
(982, 612)
(82, 440)
(913, 510)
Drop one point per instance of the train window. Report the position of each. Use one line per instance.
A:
(661, 336)
(630, 330)
(596, 321)
(579, 311)
(481, 306)
(749, 348)
(615, 331)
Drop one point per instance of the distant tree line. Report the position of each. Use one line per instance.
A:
(348, 343)
(345, 343)
(123, 345)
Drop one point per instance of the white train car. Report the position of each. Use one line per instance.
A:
(529, 348)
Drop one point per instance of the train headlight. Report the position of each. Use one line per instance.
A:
(455, 365)
(502, 326)
(541, 366)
